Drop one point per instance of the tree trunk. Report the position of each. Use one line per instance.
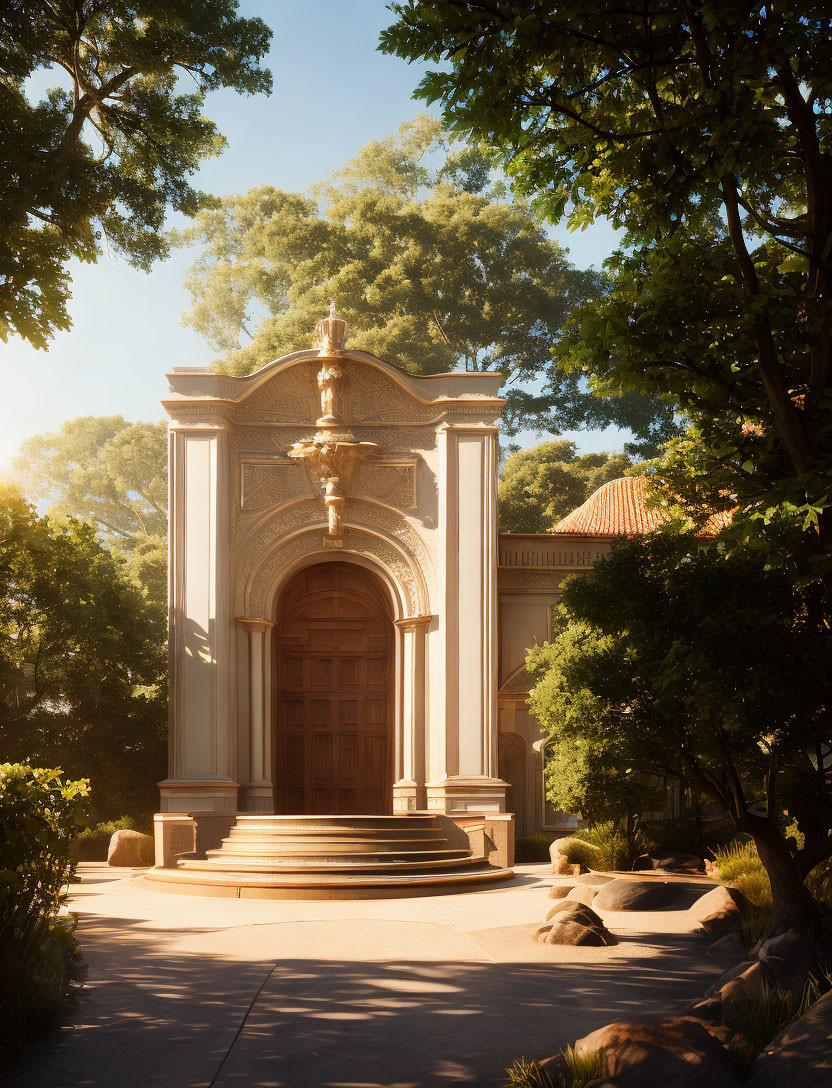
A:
(793, 906)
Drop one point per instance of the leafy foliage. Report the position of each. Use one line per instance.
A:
(114, 138)
(82, 659)
(541, 485)
(702, 668)
(530, 848)
(704, 131)
(40, 813)
(434, 267)
(617, 850)
(103, 470)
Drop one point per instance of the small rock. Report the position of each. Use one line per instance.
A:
(801, 1055)
(624, 894)
(731, 945)
(131, 849)
(560, 864)
(653, 1052)
(558, 891)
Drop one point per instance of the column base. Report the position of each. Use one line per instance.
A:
(408, 796)
(257, 797)
(460, 794)
(203, 794)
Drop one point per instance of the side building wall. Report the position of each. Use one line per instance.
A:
(531, 570)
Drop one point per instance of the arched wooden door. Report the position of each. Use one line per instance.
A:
(333, 706)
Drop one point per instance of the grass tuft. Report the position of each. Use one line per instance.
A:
(525, 1074)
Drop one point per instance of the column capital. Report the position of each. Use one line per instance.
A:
(413, 623)
(254, 623)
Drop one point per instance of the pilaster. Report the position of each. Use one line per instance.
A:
(411, 757)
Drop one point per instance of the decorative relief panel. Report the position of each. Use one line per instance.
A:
(390, 481)
(376, 398)
(269, 483)
(289, 397)
(529, 579)
(519, 682)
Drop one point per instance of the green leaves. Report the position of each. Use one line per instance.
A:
(703, 131)
(109, 156)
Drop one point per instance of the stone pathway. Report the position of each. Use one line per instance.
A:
(189, 992)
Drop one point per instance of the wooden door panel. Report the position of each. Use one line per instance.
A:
(333, 645)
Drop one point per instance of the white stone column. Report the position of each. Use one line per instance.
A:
(257, 794)
(468, 781)
(409, 789)
(202, 751)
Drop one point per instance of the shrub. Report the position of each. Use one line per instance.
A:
(580, 852)
(532, 847)
(92, 843)
(739, 864)
(40, 814)
(615, 850)
(661, 837)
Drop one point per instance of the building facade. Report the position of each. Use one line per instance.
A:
(348, 627)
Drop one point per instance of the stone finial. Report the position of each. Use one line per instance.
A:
(330, 334)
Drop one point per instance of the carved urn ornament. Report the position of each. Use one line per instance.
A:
(330, 333)
(334, 452)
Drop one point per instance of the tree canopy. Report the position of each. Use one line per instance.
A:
(700, 668)
(703, 130)
(541, 485)
(82, 660)
(430, 259)
(113, 138)
(103, 470)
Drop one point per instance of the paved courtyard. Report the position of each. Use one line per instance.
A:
(189, 992)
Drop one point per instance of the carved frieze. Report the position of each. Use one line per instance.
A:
(529, 579)
(269, 483)
(289, 397)
(391, 481)
(376, 398)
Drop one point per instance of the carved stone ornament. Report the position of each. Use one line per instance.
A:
(264, 483)
(275, 537)
(520, 682)
(529, 579)
(393, 482)
(330, 333)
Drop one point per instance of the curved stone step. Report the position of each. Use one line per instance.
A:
(327, 846)
(317, 865)
(251, 886)
(338, 857)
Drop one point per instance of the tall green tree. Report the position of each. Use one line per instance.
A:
(101, 133)
(704, 669)
(103, 470)
(541, 485)
(82, 660)
(702, 129)
(431, 261)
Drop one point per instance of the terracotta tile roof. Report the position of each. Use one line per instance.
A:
(618, 508)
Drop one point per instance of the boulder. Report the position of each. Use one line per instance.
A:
(575, 912)
(801, 1055)
(575, 933)
(560, 864)
(625, 894)
(717, 899)
(131, 849)
(583, 893)
(752, 983)
(731, 945)
(558, 891)
(732, 972)
(791, 957)
(719, 911)
(679, 863)
(656, 1051)
(564, 851)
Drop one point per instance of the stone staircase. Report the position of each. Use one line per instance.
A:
(331, 857)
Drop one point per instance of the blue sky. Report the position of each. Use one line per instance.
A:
(333, 93)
